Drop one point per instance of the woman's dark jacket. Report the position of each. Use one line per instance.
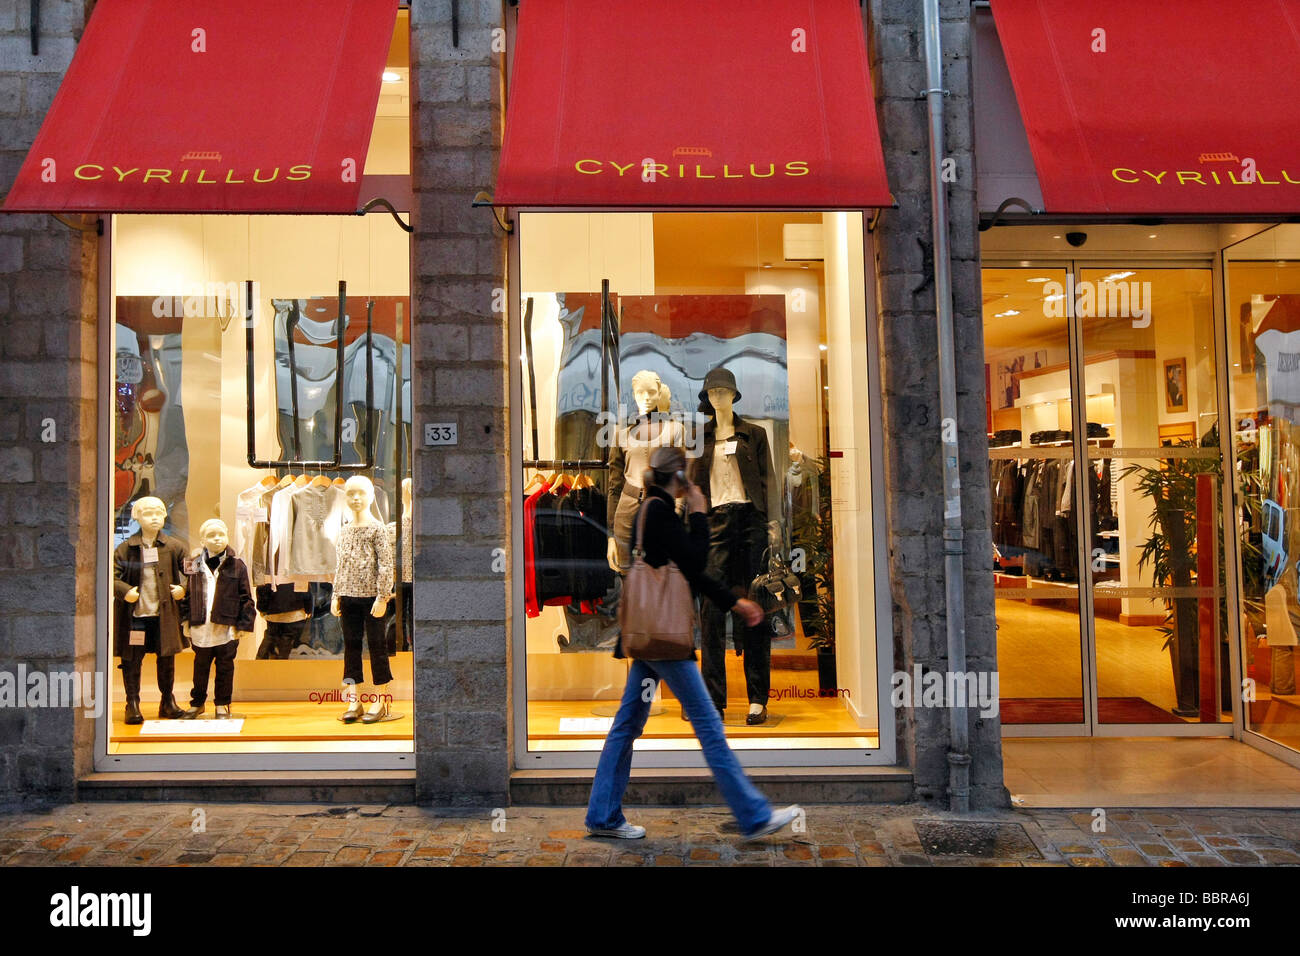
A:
(233, 602)
(666, 538)
(128, 569)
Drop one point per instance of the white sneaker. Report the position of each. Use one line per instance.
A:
(627, 831)
(778, 820)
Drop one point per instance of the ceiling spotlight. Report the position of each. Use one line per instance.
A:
(391, 77)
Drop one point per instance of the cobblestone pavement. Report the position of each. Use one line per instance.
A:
(121, 834)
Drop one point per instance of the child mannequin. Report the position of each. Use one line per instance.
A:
(221, 612)
(148, 587)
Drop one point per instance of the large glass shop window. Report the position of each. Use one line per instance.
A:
(647, 329)
(255, 607)
(1262, 280)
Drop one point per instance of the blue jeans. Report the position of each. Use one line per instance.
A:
(605, 808)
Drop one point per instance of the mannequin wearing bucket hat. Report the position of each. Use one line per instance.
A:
(735, 473)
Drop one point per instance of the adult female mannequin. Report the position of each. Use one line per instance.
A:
(363, 584)
(147, 576)
(735, 474)
(630, 457)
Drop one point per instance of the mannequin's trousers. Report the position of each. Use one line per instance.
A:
(358, 624)
(133, 657)
(737, 537)
(223, 656)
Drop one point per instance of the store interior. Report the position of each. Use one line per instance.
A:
(777, 300)
(1153, 513)
(181, 422)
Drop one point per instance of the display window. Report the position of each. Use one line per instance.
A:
(258, 543)
(1262, 285)
(741, 338)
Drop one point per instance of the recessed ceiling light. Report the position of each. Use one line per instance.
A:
(1056, 237)
(822, 347)
(391, 77)
(767, 265)
(1116, 276)
(1054, 298)
(1024, 263)
(1038, 279)
(1009, 312)
(1151, 236)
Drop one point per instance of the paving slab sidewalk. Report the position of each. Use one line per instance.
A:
(217, 834)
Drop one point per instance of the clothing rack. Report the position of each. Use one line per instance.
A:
(336, 464)
(581, 464)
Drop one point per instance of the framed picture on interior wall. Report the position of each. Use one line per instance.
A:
(1176, 385)
(1009, 381)
(1183, 433)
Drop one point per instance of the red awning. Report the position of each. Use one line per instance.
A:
(1135, 107)
(212, 106)
(694, 103)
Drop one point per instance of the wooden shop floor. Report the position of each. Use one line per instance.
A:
(1039, 655)
(272, 727)
(795, 713)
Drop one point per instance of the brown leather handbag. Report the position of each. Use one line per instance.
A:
(656, 614)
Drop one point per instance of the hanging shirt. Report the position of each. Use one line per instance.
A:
(253, 530)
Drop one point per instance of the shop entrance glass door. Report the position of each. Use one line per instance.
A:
(1106, 485)
(1153, 497)
(1041, 652)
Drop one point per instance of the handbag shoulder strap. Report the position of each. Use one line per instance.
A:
(639, 537)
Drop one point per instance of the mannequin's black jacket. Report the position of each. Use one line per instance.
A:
(753, 458)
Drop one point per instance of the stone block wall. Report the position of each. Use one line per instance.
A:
(462, 628)
(48, 428)
(909, 371)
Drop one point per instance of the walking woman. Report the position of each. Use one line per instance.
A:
(663, 538)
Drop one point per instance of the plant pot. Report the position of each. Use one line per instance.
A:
(827, 681)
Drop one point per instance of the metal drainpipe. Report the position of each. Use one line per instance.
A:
(954, 590)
